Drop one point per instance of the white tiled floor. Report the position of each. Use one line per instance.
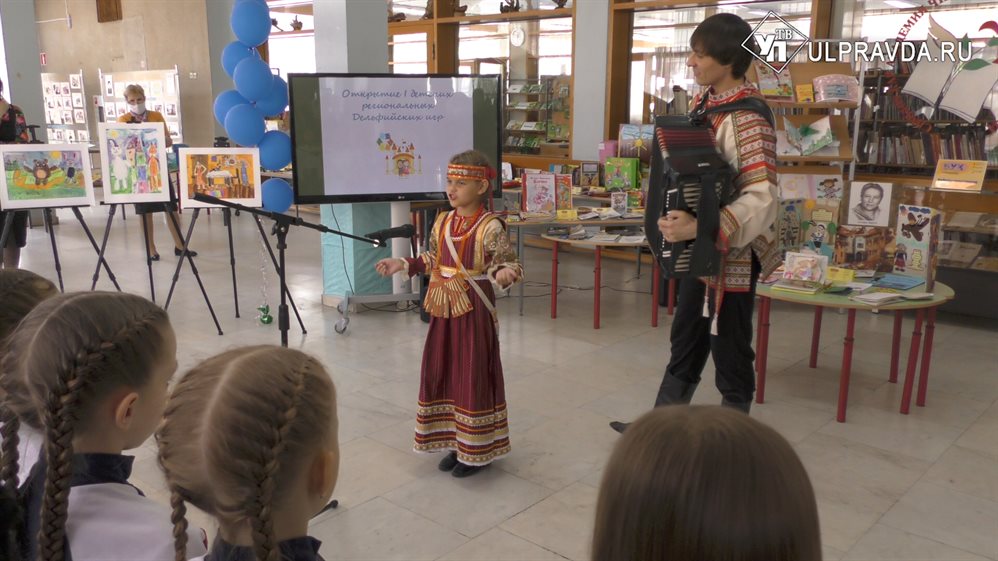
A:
(923, 486)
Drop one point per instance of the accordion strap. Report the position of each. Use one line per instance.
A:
(750, 103)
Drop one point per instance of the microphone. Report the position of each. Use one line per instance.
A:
(403, 231)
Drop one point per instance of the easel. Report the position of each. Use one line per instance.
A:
(194, 269)
(103, 246)
(47, 217)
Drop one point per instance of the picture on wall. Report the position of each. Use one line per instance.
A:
(83, 136)
(70, 136)
(77, 100)
(65, 88)
(67, 116)
(171, 109)
(110, 111)
(45, 175)
(231, 174)
(134, 163)
(80, 116)
(108, 86)
(75, 82)
(869, 203)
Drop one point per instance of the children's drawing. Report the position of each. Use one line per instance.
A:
(133, 159)
(45, 175)
(230, 174)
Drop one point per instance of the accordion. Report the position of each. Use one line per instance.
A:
(688, 174)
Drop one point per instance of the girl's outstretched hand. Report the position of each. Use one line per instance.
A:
(388, 267)
(506, 277)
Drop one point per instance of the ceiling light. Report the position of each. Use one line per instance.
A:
(900, 4)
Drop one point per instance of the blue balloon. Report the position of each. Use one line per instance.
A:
(277, 195)
(244, 125)
(275, 150)
(253, 79)
(226, 101)
(234, 53)
(250, 21)
(276, 100)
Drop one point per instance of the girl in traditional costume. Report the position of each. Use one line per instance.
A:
(462, 404)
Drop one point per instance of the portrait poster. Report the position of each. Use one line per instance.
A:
(869, 202)
(45, 175)
(230, 174)
(134, 162)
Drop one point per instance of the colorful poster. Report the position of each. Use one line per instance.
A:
(133, 160)
(45, 175)
(231, 174)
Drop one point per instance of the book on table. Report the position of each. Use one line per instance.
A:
(804, 273)
(898, 282)
(884, 298)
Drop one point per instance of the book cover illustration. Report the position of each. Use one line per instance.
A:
(773, 85)
(621, 174)
(805, 93)
(618, 202)
(811, 137)
(827, 186)
(796, 186)
(917, 237)
(803, 272)
(820, 225)
(607, 149)
(589, 174)
(862, 247)
(791, 215)
(836, 87)
(635, 141)
(563, 188)
(539, 193)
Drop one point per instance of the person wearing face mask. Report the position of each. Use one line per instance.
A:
(135, 96)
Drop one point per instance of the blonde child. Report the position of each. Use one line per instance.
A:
(20, 291)
(96, 367)
(705, 483)
(462, 403)
(250, 436)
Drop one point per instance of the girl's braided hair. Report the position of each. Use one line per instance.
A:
(69, 352)
(234, 433)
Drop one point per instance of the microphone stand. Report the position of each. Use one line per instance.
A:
(282, 223)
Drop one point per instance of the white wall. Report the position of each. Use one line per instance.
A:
(22, 82)
(589, 98)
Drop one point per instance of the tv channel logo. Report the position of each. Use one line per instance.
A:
(778, 41)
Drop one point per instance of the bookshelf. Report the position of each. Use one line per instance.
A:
(537, 116)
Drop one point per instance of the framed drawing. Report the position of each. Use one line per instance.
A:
(134, 164)
(231, 174)
(45, 175)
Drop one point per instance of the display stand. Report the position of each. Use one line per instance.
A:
(47, 217)
(194, 269)
(282, 223)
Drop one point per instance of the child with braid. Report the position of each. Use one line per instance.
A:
(20, 291)
(96, 367)
(462, 402)
(250, 436)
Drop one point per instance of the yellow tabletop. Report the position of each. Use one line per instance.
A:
(940, 294)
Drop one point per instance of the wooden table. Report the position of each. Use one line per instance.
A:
(598, 247)
(521, 225)
(925, 313)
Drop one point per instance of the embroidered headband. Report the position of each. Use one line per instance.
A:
(457, 171)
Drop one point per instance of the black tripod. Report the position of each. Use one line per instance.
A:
(47, 218)
(282, 223)
(185, 254)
